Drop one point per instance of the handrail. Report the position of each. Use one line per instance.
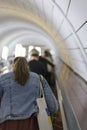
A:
(60, 99)
(69, 119)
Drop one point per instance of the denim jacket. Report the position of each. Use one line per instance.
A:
(19, 102)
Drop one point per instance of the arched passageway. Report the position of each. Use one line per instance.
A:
(61, 27)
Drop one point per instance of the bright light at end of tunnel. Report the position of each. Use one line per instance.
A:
(19, 50)
(5, 53)
(23, 51)
(39, 49)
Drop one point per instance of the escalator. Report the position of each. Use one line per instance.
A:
(56, 118)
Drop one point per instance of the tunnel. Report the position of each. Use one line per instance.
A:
(60, 26)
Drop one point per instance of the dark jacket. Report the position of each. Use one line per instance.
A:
(37, 67)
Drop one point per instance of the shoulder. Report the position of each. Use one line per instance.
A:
(6, 76)
(34, 75)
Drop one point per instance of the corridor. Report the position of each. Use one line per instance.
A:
(60, 27)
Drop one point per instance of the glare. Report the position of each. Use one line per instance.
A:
(5, 53)
(23, 51)
(18, 50)
(30, 48)
(39, 49)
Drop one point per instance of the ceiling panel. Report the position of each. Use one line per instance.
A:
(82, 33)
(76, 55)
(63, 4)
(71, 42)
(57, 18)
(48, 10)
(77, 12)
(65, 29)
(39, 6)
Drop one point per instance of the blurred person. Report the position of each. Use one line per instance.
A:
(50, 68)
(48, 56)
(46, 62)
(19, 90)
(35, 65)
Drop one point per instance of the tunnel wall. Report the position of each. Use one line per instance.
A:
(74, 93)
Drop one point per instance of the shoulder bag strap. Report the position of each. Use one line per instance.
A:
(41, 86)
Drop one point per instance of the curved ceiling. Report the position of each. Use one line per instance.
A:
(55, 24)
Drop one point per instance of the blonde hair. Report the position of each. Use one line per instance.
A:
(21, 70)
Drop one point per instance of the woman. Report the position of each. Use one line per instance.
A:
(18, 91)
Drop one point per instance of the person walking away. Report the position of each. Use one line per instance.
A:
(35, 65)
(50, 68)
(19, 90)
